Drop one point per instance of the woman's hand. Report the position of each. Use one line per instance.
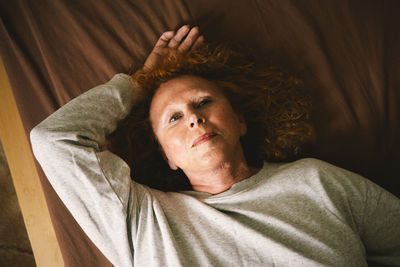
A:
(184, 39)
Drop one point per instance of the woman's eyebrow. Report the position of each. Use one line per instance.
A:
(201, 97)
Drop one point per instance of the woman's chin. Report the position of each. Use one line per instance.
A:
(210, 155)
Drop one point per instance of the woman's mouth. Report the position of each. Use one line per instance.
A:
(203, 138)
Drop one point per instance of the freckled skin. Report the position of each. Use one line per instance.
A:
(175, 111)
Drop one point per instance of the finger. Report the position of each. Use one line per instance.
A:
(164, 39)
(189, 40)
(198, 42)
(180, 34)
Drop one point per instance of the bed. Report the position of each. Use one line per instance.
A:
(346, 52)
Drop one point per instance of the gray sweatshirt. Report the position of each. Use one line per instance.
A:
(304, 213)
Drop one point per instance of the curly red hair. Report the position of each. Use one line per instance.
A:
(274, 105)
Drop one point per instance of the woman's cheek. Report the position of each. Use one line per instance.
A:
(176, 139)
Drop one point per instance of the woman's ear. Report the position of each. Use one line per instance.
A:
(170, 163)
(242, 125)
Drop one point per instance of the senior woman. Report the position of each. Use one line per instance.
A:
(228, 208)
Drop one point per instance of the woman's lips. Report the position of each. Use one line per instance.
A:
(203, 138)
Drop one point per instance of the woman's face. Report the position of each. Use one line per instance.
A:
(195, 124)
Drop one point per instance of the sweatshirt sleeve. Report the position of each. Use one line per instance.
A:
(94, 185)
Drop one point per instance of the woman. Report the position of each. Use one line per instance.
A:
(305, 212)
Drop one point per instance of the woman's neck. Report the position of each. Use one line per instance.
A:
(220, 178)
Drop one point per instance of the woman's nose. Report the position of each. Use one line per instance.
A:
(196, 119)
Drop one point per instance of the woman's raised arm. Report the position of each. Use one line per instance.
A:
(93, 183)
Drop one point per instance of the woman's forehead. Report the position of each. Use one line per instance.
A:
(187, 86)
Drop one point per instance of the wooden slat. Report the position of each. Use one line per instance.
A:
(26, 181)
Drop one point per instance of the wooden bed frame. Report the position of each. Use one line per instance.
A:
(26, 180)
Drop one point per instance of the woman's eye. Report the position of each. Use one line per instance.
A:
(203, 102)
(174, 118)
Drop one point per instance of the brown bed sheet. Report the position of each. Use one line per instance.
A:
(347, 53)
